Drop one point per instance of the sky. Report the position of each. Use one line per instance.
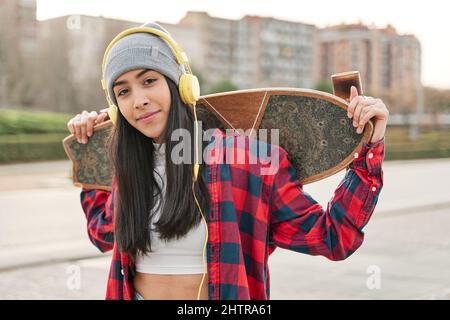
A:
(427, 20)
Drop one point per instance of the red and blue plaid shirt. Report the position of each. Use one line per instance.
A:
(250, 215)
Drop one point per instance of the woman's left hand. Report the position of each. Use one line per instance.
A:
(362, 109)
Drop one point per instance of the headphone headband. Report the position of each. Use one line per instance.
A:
(188, 84)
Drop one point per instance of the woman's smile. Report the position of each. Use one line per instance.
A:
(148, 117)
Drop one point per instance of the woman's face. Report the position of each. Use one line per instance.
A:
(139, 93)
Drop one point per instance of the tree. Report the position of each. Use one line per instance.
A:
(223, 86)
(437, 101)
(324, 85)
(199, 76)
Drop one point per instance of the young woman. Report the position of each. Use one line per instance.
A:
(211, 242)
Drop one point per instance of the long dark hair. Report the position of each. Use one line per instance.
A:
(132, 154)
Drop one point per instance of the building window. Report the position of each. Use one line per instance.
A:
(386, 64)
(355, 55)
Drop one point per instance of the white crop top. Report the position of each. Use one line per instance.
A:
(182, 256)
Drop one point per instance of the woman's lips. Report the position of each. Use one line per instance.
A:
(149, 118)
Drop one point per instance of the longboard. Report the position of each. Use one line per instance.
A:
(313, 128)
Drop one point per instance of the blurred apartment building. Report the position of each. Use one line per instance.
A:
(250, 52)
(76, 44)
(18, 46)
(265, 52)
(389, 63)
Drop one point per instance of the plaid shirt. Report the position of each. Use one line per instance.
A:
(251, 214)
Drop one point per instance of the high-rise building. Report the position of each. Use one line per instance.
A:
(80, 41)
(389, 63)
(251, 52)
(18, 45)
(18, 23)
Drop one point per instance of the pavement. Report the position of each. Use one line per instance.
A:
(45, 252)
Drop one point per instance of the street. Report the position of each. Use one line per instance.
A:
(45, 252)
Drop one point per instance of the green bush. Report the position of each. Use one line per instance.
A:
(19, 122)
(31, 147)
(32, 136)
(430, 144)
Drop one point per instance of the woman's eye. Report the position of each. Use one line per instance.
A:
(121, 92)
(148, 81)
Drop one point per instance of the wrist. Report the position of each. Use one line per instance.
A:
(376, 139)
(374, 143)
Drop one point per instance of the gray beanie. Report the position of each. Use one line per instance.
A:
(141, 50)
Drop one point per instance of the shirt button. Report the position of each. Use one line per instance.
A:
(356, 155)
(374, 189)
(370, 155)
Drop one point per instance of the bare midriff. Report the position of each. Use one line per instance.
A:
(170, 287)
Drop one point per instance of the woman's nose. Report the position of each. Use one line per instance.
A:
(141, 100)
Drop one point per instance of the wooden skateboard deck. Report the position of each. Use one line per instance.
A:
(92, 167)
(313, 128)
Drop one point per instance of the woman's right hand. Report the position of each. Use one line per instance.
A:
(82, 125)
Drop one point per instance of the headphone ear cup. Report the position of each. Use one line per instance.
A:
(112, 112)
(189, 88)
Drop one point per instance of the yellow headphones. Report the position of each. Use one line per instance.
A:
(188, 86)
(189, 89)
